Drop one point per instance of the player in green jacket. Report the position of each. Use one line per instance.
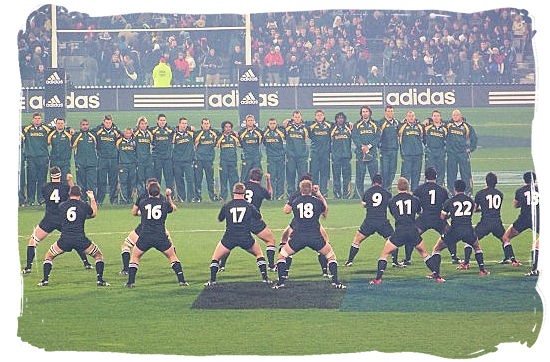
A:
(205, 144)
(411, 135)
(273, 139)
(22, 183)
(85, 158)
(107, 154)
(61, 148)
(127, 161)
(435, 135)
(389, 145)
(341, 157)
(461, 142)
(183, 155)
(144, 139)
(228, 143)
(365, 135)
(36, 153)
(319, 165)
(297, 153)
(162, 152)
(250, 140)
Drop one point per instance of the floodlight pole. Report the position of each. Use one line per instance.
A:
(54, 36)
(248, 40)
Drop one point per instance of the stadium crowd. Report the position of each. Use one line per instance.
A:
(347, 46)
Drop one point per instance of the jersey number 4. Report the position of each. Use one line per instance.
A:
(54, 196)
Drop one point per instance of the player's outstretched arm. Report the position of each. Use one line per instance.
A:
(135, 210)
(268, 183)
(93, 204)
(287, 209)
(170, 201)
(320, 196)
(70, 180)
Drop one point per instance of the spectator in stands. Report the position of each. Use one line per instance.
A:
(162, 74)
(273, 62)
(130, 76)
(496, 66)
(374, 76)
(192, 65)
(293, 71)
(211, 65)
(114, 72)
(322, 69)
(307, 73)
(257, 61)
(181, 70)
(349, 66)
(237, 60)
(39, 76)
(509, 54)
(464, 66)
(519, 31)
(27, 71)
(363, 66)
(477, 69)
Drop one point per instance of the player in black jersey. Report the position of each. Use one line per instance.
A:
(240, 216)
(288, 230)
(306, 232)
(255, 194)
(489, 202)
(404, 207)
(432, 196)
(460, 209)
(74, 213)
(133, 236)
(375, 200)
(154, 210)
(54, 193)
(527, 200)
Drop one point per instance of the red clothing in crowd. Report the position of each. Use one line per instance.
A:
(273, 59)
(182, 66)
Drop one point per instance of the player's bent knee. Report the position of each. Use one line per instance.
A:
(93, 251)
(330, 255)
(284, 253)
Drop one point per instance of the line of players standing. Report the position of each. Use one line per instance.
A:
(106, 156)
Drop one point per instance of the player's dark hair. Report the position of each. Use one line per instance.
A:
(36, 114)
(55, 172)
(256, 174)
(205, 119)
(151, 180)
(377, 179)
(460, 186)
(84, 120)
(60, 119)
(529, 177)
(181, 119)
(388, 106)
(271, 119)
(491, 180)
(436, 111)
(306, 176)
(75, 191)
(226, 122)
(153, 189)
(340, 114)
(296, 112)
(305, 187)
(430, 173)
(108, 116)
(161, 115)
(364, 107)
(239, 188)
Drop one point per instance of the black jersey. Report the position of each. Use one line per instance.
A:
(293, 197)
(256, 194)
(489, 201)
(376, 199)
(307, 210)
(404, 208)
(528, 198)
(432, 197)
(54, 193)
(239, 217)
(73, 215)
(154, 211)
(461, 208)
(144, 196)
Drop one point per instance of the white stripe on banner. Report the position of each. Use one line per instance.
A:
(512, 102)
(170, 105)
(197, 95)
(348, 103)
(497, 98)
(347, 94)
(168, 101)
(355, 98)
(512, 93)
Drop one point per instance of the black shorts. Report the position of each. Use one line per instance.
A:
(459, 233)
(146, 242)
(137, 230)
(405, 235)
(257, 226)
(524, 223)
(298, 242)
(245, 244)
(382, 227)
(486, 227)
(78, 243)
(49, 224)
(427, 222)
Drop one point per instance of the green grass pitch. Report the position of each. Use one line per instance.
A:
(405, 313)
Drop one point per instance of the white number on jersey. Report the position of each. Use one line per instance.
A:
(532, 198)
(494, 201)
(71, 213)
(376, 199)
(55, 196)
(306, 210)
(153, 212)
(238, 214)
(463, 208)
(248, 195)
(401, 205)
(432, 197)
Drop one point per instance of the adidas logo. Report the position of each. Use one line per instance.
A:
(249, 99)
(54, 102)
(54, 78)
(248, 76)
